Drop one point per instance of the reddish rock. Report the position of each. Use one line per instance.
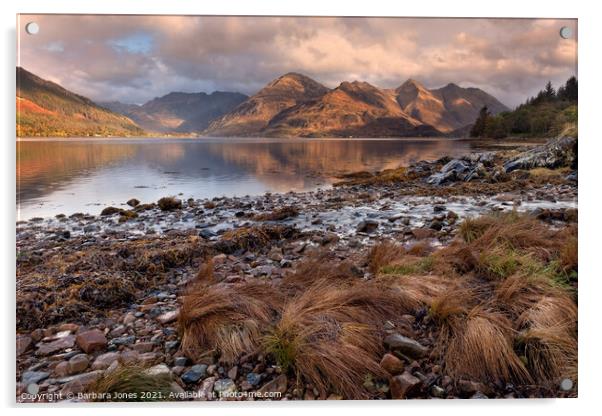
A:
(90, 341)
(103, 361)
(404, 385)
(80, 383)
(130, 357)
(144, 346)
(46, 348)
(62, 369)
(391, 364)
(78, 363)
(24, 342)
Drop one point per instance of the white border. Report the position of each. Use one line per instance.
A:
(590, 153)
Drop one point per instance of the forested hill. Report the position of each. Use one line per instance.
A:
(549, 113)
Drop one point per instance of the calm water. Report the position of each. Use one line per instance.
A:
(68, 176)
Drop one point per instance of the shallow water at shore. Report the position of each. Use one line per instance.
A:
(86, 175)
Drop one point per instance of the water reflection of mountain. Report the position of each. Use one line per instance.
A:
(42, 165)
(280, 165)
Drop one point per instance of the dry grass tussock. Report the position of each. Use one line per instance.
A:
(329, 335)
(495, 299)
(132, 381)
(480, 346)
(500, 297)
(227, 318)
(321, 266)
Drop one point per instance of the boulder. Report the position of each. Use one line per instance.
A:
(466, 168)
(556, 153)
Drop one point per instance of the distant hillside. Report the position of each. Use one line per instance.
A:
(179, 112)
(355, 109)
(448, 108)
(46, 109)
(549, 113)
(294, 105)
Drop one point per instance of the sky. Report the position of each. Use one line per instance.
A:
(133, 59)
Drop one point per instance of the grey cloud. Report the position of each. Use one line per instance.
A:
(511, 58)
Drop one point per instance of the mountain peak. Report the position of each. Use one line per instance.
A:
(411, 83)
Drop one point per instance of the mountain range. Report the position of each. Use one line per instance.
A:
(292, 105)
(179, 112)
(297, 106)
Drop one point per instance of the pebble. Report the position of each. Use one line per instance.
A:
(224, 386)
(168, 317)
(406, 345)
(30, 377)
(392, 364)
(103, 361)
(253, 378)
(279, 384)
(404, 385)
(195, 373)
(62, 343)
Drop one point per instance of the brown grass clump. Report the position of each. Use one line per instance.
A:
(481, 347)
(253, 238)
(451, 304)
(169, 203)
(132, 383)
(205, 274)
(329, 335)
(226, 318)
(420, 248)
(278, 214)
(383, 254)
(549, 339)
(513, 231)
(472, 228)
(569, 255)
(320, 267)
(550, 353)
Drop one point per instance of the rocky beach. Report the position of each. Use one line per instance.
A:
(212, 299)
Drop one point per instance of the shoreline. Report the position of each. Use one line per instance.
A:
(119, 278)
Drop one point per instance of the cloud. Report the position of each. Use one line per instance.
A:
(136, 58)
